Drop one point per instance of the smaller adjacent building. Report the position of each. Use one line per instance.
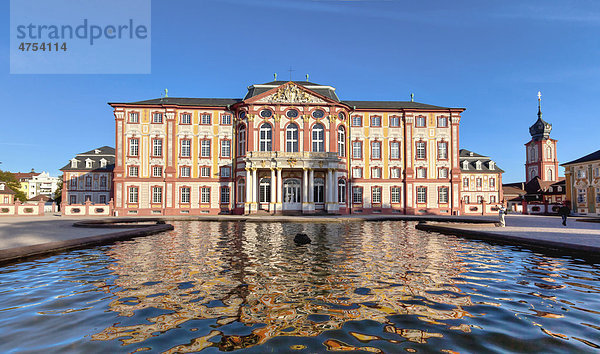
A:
(481, 185)
(7, 195)
(42, 184)
(583, 184)
(24, 178)
(88, 177)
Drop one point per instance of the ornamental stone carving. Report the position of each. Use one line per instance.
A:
(291, 94)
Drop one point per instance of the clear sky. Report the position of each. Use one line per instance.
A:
(490, 57)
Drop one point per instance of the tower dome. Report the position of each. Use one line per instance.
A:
(540, 130)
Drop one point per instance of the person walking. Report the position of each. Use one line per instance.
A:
(501, 213)
(564, 211)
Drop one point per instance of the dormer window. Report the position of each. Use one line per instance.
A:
(492, 165)
(103, 163)
(88, 163)
(478, 165)
(74, 163)
(465, 165)
(1, 187)
(96, 151)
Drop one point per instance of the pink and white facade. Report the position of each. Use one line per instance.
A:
(285, 147)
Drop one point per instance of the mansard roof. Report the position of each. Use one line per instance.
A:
(184, 101)
(472, 158)
(96, 155)
(392, 105)
(589, 157)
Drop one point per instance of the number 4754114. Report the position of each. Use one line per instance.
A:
(44, 47)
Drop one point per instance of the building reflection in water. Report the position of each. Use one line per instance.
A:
(253, 274)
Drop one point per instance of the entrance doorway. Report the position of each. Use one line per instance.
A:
(264, 193)
(292, 194)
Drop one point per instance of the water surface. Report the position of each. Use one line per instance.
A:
(234, 286)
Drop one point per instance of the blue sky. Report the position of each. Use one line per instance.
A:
(490, 57)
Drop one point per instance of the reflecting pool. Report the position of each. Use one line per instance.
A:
(234, 286)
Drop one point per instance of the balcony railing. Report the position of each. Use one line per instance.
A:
(295, 155)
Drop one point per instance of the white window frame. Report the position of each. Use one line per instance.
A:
(134, 117)
(133, 171)
(395, 150)
(376, 195)
(225, 198)
(357, 150)
(265, 137)
(442, 150)
(376, 150)
(291, 138)
(341, 140)
(156, 195)
(241, 141)
(157, 147)
(186, 118)
(205, 147)
(421, 195)
(205, 195)
(226, 119)
(225, 148)
(395, 193)
(134, 147)
(186, 148)
(185, 195)
(157, 171)
(205, 172)
(394, 172)
(133, 194)
(394, 121)
(186, 171)
(157, 118)
(357, 197)
(225, 171)
(205, 119)
(421, 150)
(443, 195)
(318, 138)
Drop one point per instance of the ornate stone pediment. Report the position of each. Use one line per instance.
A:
(291, 94)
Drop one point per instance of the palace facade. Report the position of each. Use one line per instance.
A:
(481, 191)
(583, 184)
(88, 177)
(287, 146)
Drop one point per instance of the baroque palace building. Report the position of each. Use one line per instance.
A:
(287, 146)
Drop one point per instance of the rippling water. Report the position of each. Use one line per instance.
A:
(373, 286)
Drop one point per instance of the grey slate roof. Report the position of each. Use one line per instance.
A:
(322, 90)
(185, 101)
(465, 155)
(104, 152)
(590, 157)
(391, 105)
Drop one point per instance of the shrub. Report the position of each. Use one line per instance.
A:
(28, 210)
(5, 210)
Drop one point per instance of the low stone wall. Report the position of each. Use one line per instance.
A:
(22, 209)
(480, 209)
(541, 208)
(87, 209)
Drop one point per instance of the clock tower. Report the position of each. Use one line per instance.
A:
(541, 150)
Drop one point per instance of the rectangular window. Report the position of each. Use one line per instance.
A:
(134, 117)
(156, 195)
(394, 121)
(357, 195)
(74, 182)
(443, 195)
(581, 174)
(395, 173)
(443, 173)
(479, 199)
(356, 121)
(133, 194)
(102, 199)
(226, 119)
(492, 182)
(157, 118)
(466, 182)
(376, 150)
(375, 172)
(205, 195)
(357, 150)
(186, 118)
(225, 172)
(103, 182)
(241, 191)
(442, 122)
(357, 173)
(88, 182)
(395, 194)
(156, 171)
(421, 195)
(157, 147)
(443, 150)
(186, 148)
(225, 148)
(421, 153)
(466, 199)
(224, 195)
(185, 171)
(205, 119)
(421, 173)
(394, 150)
(133, 171)
(420, 121)
(134, 147)
(478, 182)
(581, 196)
(492, 198)
(341, 191)
(204, 171)
(376, 121)
(72, 199)
(597, 196)
(205, 148)
(376, 195)
(185, 195)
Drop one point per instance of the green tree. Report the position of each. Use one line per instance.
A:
(58, 192)
(13, 183)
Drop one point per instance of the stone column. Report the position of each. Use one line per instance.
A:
(311, 186)
(305, 187)
(254, 205)
(273, 184)
(329, 186)
(335, 189)
(279, 187)
(247, 207)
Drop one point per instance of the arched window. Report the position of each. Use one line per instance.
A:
(548, 152)
(341, 190)
(318, 141)
(291, 138)
(319, 186)
(341, 141)
(241, 140)
(264, 191)
(549, 175)
(265, 137)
